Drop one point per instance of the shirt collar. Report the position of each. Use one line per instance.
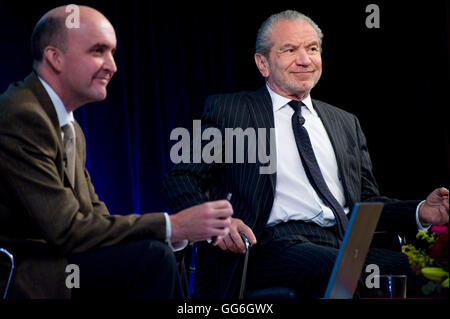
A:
(61, 112)
(279, 101)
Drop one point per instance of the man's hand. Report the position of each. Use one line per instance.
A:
(233, 241)
(202, 221)
(434, 210)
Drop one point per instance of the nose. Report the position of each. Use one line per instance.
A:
(303, 58)
(110, 64)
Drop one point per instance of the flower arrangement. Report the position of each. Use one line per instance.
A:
(429, 257)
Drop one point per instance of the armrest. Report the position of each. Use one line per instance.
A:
(11, 260)
(244, 270)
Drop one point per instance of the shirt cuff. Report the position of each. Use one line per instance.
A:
(179, 245)
(420, 227)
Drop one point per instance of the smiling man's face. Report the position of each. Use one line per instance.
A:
(88, 63)
(294, 64)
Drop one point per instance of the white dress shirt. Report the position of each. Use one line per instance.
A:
(63, 116)
(295, 197)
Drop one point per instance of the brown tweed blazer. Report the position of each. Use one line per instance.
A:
(43, 219)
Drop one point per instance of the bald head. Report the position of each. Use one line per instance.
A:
(52, 29)
(73, 48)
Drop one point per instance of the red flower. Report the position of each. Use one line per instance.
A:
(439, 229)
(439, 251)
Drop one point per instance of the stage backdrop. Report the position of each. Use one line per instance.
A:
(171, 56)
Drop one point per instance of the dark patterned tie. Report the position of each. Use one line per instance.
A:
(312, 168)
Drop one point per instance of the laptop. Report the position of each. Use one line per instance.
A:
(352, 254)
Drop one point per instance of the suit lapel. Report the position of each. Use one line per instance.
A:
(261, 112)
(33, 82)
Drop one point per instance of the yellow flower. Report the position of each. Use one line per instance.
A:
(445, 283)
(435, 273)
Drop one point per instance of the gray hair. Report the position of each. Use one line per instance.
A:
(263, 41)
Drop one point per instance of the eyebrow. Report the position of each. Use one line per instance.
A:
(312, 44)
(290, 45)
(287, 46)
(102, 46)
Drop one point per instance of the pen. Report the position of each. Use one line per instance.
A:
(213, 239)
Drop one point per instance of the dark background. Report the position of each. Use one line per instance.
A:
(171, 56)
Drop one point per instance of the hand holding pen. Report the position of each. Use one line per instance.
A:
(203, 221)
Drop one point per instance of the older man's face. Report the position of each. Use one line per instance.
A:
(88, 62)
(294, 64)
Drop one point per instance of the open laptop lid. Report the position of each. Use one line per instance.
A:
(352, 254)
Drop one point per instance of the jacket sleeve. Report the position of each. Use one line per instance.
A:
(40, 205)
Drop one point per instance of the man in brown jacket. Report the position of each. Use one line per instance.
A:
(50, 214)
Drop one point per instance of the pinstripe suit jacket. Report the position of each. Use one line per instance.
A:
(253, 193)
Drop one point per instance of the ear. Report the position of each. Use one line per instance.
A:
(262, 64)
(54, 57)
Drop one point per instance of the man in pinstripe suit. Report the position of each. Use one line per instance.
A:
(293, 230)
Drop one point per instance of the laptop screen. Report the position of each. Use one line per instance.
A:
(353, 251)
